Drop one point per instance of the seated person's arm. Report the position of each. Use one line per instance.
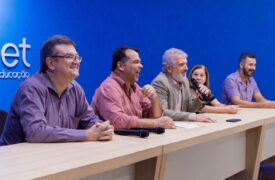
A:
(110, 106)
(155, 109)
(216, 103)
(217, 107)
(85, 112)
(96, 129)
(100, 131)
(242, 103)
(231, 109)
(266, 103)
(164, 121)
(34, 123)
(259, 97)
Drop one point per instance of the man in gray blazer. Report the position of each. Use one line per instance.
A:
(173, 89)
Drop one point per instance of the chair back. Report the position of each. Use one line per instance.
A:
(3, 116)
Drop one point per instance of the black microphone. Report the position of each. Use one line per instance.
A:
(158, 130)
(128, 132)
(196, 86)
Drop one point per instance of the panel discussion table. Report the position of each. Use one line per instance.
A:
(211, 151)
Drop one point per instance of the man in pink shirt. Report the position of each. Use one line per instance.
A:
(120, 99)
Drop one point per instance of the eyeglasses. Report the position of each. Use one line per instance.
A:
(69, 57)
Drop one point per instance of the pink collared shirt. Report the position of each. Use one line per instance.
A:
(112, 103)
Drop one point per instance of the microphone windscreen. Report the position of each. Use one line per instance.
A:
(160, 130)
(195, 83)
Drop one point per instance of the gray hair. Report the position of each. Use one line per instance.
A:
(170, 56)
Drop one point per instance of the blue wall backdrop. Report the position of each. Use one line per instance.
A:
(212, 32)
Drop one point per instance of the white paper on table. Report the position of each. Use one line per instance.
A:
(186, 125)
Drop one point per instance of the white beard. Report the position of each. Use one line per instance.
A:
(178, 77)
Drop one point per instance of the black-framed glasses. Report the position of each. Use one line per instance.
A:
(69, 57)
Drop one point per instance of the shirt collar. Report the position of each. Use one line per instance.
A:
(122, 83)
(177, 84)
(239, 77)
(47, 81)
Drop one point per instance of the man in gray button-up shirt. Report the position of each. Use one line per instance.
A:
(51, 106)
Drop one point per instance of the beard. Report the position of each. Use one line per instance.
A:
(178, 77)
(248, 72)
